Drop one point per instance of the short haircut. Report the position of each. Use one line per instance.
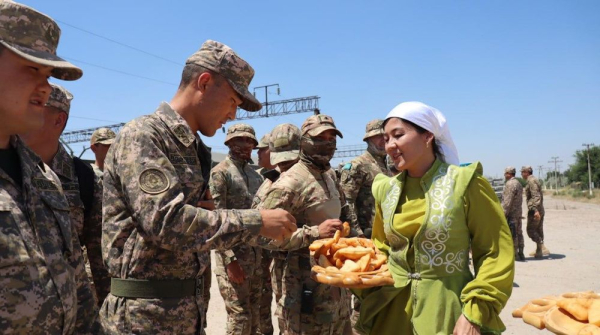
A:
(192, 71)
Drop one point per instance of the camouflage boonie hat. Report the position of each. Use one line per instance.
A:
(103, 136)
(316, 124)
(511, 170)
(527, 168)
(223, 60)
(60, 98)
(34, 36)
(240, 130)
(285, 143)
(264, 142)
(374, 128)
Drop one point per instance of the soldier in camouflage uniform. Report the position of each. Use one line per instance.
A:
(356, 180)
(155, 240)
(100, 142)
(233, 184)
(535, 212)
(512, 204)
(284, 148)
(74, 175)
(264, 161)
(309, 190)
(43, 285)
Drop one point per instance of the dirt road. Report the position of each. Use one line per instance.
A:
(572, 233)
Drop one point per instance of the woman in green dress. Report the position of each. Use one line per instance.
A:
(427, 220)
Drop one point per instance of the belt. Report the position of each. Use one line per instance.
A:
(155, 289)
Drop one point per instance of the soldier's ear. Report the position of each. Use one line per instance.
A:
(202, 81)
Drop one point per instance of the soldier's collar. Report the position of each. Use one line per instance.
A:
(178, 126)
(62, 163)
(28, 158)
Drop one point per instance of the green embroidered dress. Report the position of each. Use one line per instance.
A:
(426, 226)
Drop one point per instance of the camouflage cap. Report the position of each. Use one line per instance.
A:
(316, 124)
(264, 142)
(60, 98)
(103, 136)
(284, 144)
(240, 130)
(527, 168)
(511, 170)
(223, 60)
(34, 36)
(374, 128)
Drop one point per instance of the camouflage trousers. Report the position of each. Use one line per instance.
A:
(516, 229)
(306, 324)
(266, 322)
(243, 318)
(276, 280)
(535, 228)
(207, 280)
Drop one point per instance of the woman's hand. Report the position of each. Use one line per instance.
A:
(464, 327)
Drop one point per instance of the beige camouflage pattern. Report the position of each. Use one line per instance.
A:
(311, 195)
(356, 180)
(221, 59)
(284, 144)
(152, 228)
(103, 136)
(240, 130)
(89, 230)
(373, 128)
(264, 141)
(43, 285)
(34, 36)
(60, 98)
(316, 124)
(535, 202)
(512, 204)
(233, 184)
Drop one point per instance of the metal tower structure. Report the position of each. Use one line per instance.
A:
(350, 151)
(273, 108)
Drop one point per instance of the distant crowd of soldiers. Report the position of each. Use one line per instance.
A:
(122, 246)
(512, 199)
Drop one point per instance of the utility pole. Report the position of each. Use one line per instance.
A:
(555, 161)
(266, 87)
(589, 166)
(541, 169)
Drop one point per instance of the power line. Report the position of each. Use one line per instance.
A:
(120, 43)
(119, 71)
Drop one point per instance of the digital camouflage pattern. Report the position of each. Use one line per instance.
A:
(43, 285)
(311, 195)
(356, 180)
(152, 228)
(34, 36)
(223, 60)
(88, 229)
(512, 204)
(60, 98)
(535, 202)
(103, 136)
(233, 184)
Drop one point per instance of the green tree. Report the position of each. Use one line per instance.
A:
(578, 172)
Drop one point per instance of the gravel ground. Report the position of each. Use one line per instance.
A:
(571, 230)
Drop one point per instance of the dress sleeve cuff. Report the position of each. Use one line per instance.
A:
(482, 313)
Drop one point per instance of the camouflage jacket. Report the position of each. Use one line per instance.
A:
(312, 197)
(233, 185)
(97, 171)
(89, 230)
(152, 228)
(512, 199)
(535, 197)
(45, 289)
(356, 180)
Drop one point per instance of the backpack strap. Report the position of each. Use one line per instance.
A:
(85, 177)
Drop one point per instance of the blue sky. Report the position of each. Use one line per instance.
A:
(519, 81)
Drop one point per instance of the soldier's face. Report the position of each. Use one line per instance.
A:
(525, 174)
(24, 91)
(378, 141)
(54, 123)
(100, 151)
(405, 145)
(219, 104)
(241, 147)
(507, 176)
(264, 158)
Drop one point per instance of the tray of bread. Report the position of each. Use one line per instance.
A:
(349, 262)
(575, 313)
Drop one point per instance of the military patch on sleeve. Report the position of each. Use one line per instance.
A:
(153, 181)
(348, 166)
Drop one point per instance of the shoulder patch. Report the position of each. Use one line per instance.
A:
(348, 166)
(153, 181)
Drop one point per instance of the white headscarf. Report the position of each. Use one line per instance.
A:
(431, 120)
